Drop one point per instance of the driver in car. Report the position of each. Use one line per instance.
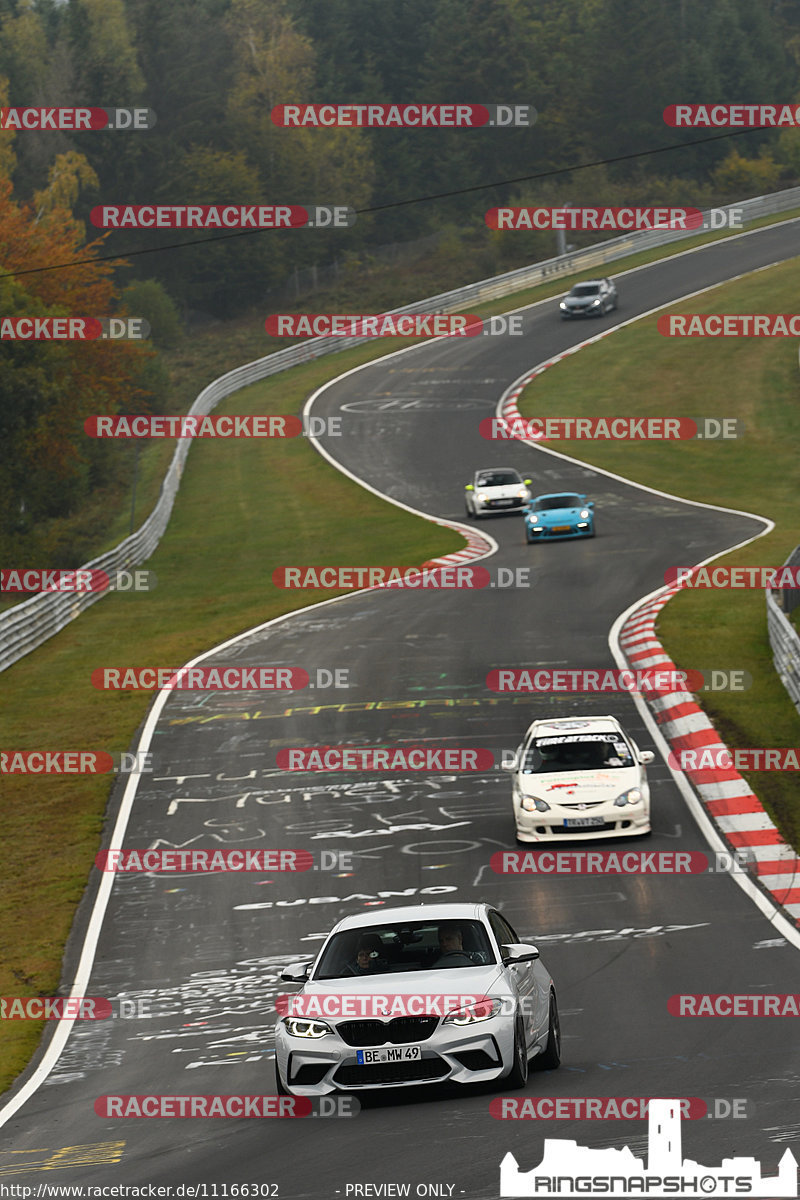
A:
(451, 948)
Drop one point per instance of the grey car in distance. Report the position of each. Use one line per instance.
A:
(591, 298)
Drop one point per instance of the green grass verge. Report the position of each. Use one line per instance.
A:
(637, 372)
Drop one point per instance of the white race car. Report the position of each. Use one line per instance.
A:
(408, 996)
(580, 778)
(496, 490)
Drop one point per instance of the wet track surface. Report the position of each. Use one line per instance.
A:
(204, 952)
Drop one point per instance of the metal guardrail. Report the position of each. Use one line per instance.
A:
(27, 625)
(784, 639)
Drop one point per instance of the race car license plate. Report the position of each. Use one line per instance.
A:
(583, 822)
(389, 1054)
(503, 503)
(561, 529)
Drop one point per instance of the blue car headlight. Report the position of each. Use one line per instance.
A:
(532, 517)
(632, 796)
(585, 513)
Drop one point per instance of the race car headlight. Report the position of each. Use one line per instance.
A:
(585, 513)
(522, 493)
(482, 497)
(632, 796)
(529, 803)
(595, 302)
(305, 1028)
(563, 305)
(482, 1010)
(532, 517)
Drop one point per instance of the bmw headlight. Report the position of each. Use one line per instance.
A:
(632, 796)
(529, 803)
(585, 513)
(481, 1010)
(304, 1028)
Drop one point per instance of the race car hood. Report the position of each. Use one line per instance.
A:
(505, 492)
(559, 516)
(580, 301)
(451, 982)
(579, 787)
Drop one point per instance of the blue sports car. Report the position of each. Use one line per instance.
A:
(559, 515)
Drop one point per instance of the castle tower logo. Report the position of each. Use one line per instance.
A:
(568, 1169)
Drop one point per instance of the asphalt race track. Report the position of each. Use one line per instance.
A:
(203, 952)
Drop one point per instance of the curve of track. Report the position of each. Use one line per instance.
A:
(204, 952)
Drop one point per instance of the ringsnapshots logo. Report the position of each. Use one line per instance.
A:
(403, 116)
(590, 219)
(76, 120)
(222, 216)
(81, 580)
(430, 325)
(567, 1169)
(614, 429)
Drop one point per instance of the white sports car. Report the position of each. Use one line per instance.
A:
(496, 490)
(580, 778)
(408, 996)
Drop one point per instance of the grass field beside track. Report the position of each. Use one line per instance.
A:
(637, 372)
(211, 586)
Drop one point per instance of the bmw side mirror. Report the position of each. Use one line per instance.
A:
(296, 972)
(518, 952)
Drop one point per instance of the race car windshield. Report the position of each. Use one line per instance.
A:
(585, 289)
(413, 946)
(577, 752)
(566, 501)
(498, 478)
